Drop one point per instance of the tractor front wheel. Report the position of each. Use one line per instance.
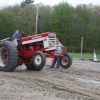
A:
(39, 61)
(66, 61)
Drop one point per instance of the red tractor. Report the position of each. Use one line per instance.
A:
(32, 51)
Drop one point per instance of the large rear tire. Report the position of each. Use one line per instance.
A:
(8, 56)
(66, 61)
(39, 61)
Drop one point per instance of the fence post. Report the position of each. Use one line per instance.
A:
(81, 47)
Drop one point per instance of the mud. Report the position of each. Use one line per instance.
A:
(80, 82)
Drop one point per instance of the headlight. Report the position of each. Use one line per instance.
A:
(52, 35)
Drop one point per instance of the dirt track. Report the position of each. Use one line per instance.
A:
(80, 82)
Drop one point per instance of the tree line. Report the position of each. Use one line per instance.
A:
(70, 23)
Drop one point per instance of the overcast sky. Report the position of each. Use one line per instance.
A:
(50, 2)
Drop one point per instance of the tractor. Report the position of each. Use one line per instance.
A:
(31, 50)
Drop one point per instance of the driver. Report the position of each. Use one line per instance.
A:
(16, 35)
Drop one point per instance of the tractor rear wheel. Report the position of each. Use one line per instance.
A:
(66, 61)
(39, 61)
(8, 56)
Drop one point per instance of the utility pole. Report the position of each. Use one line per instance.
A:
(36, 20)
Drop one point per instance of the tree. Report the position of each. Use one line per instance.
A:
(70, 23)
(8, 24)
(26, 2)
(27, 19)
(14, 9)
(46, 13)
(61, 21)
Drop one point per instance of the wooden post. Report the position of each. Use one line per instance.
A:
(81, 46)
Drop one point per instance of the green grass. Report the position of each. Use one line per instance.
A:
(84, 55)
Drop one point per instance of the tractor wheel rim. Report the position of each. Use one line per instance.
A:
(3, 56)
(38, 60)
(64, 60)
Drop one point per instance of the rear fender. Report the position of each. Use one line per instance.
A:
(12, 40)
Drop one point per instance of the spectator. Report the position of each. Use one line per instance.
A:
(17, 35)
(56, 59)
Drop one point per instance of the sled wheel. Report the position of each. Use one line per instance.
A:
(66, 61)
(8, 56)
(39, 61)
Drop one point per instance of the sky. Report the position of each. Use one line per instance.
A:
(50, 2)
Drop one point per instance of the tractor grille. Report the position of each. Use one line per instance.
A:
(52, 41)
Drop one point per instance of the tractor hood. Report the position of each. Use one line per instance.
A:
(37, 36)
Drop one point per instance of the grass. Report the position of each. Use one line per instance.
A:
(84, 55)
